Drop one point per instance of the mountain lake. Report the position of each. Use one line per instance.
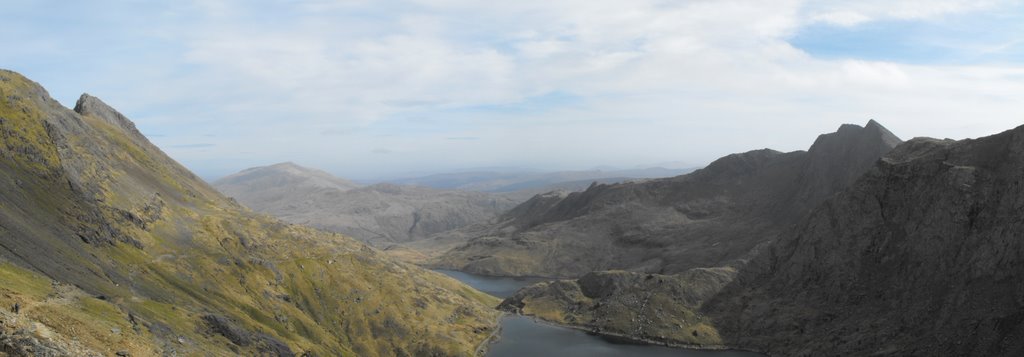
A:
(525, 336)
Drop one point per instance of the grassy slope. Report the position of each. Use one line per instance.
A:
(166, 251)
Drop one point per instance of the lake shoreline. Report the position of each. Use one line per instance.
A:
(512, 323)
(481, 349)
(611, 337)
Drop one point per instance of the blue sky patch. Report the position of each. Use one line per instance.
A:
(975, 38)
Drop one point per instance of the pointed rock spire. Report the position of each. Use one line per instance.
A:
(837, 159)
(88, 105)
(871, 137)
(884, 134)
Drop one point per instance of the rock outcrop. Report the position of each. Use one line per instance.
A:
(646, 307)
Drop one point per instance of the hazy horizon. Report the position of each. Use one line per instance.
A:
(400, 175)
(377, 89)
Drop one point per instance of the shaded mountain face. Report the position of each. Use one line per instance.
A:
(922, 256)
(378, 214)
(712, 217)
(107, 245)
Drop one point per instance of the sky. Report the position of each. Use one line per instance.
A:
(389, 88)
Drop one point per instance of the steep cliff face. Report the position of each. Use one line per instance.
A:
(922, 256)
(107, 245)
(712, 217)
(379, 214)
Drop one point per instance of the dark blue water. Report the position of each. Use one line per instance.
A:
(501, 287)
(522, 336)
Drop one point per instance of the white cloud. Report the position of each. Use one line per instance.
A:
(842, 17)
(852, 13)
(651, 81)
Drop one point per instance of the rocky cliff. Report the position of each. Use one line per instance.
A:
(378, 214)
(923, 256)
(108, 246)
(712, 217)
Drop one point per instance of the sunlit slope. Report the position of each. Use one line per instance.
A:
(86, 200)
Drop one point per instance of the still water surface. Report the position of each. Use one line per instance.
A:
(522, 336)
(501, 287)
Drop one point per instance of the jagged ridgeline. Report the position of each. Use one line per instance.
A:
(715, 216)
(107, 245)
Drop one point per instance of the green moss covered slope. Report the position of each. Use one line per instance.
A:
(114, 247)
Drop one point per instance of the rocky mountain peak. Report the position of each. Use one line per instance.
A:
(88, 105)
(837, 159)
(870, 138)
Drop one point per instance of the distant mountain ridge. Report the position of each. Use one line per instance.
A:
(284, 173)
(538, 182)
(379, 214)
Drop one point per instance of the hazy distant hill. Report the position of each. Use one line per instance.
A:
(277, 182)
(378, 214)
(491, 181)
(109, 247)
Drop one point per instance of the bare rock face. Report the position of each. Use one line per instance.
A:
(379, 214)
(712, 217)
(923, 256)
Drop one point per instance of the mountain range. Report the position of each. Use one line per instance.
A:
(385, 214)
(379, 214)
(534, 182)
(918, 255)
(862, 245)
(716, 216)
